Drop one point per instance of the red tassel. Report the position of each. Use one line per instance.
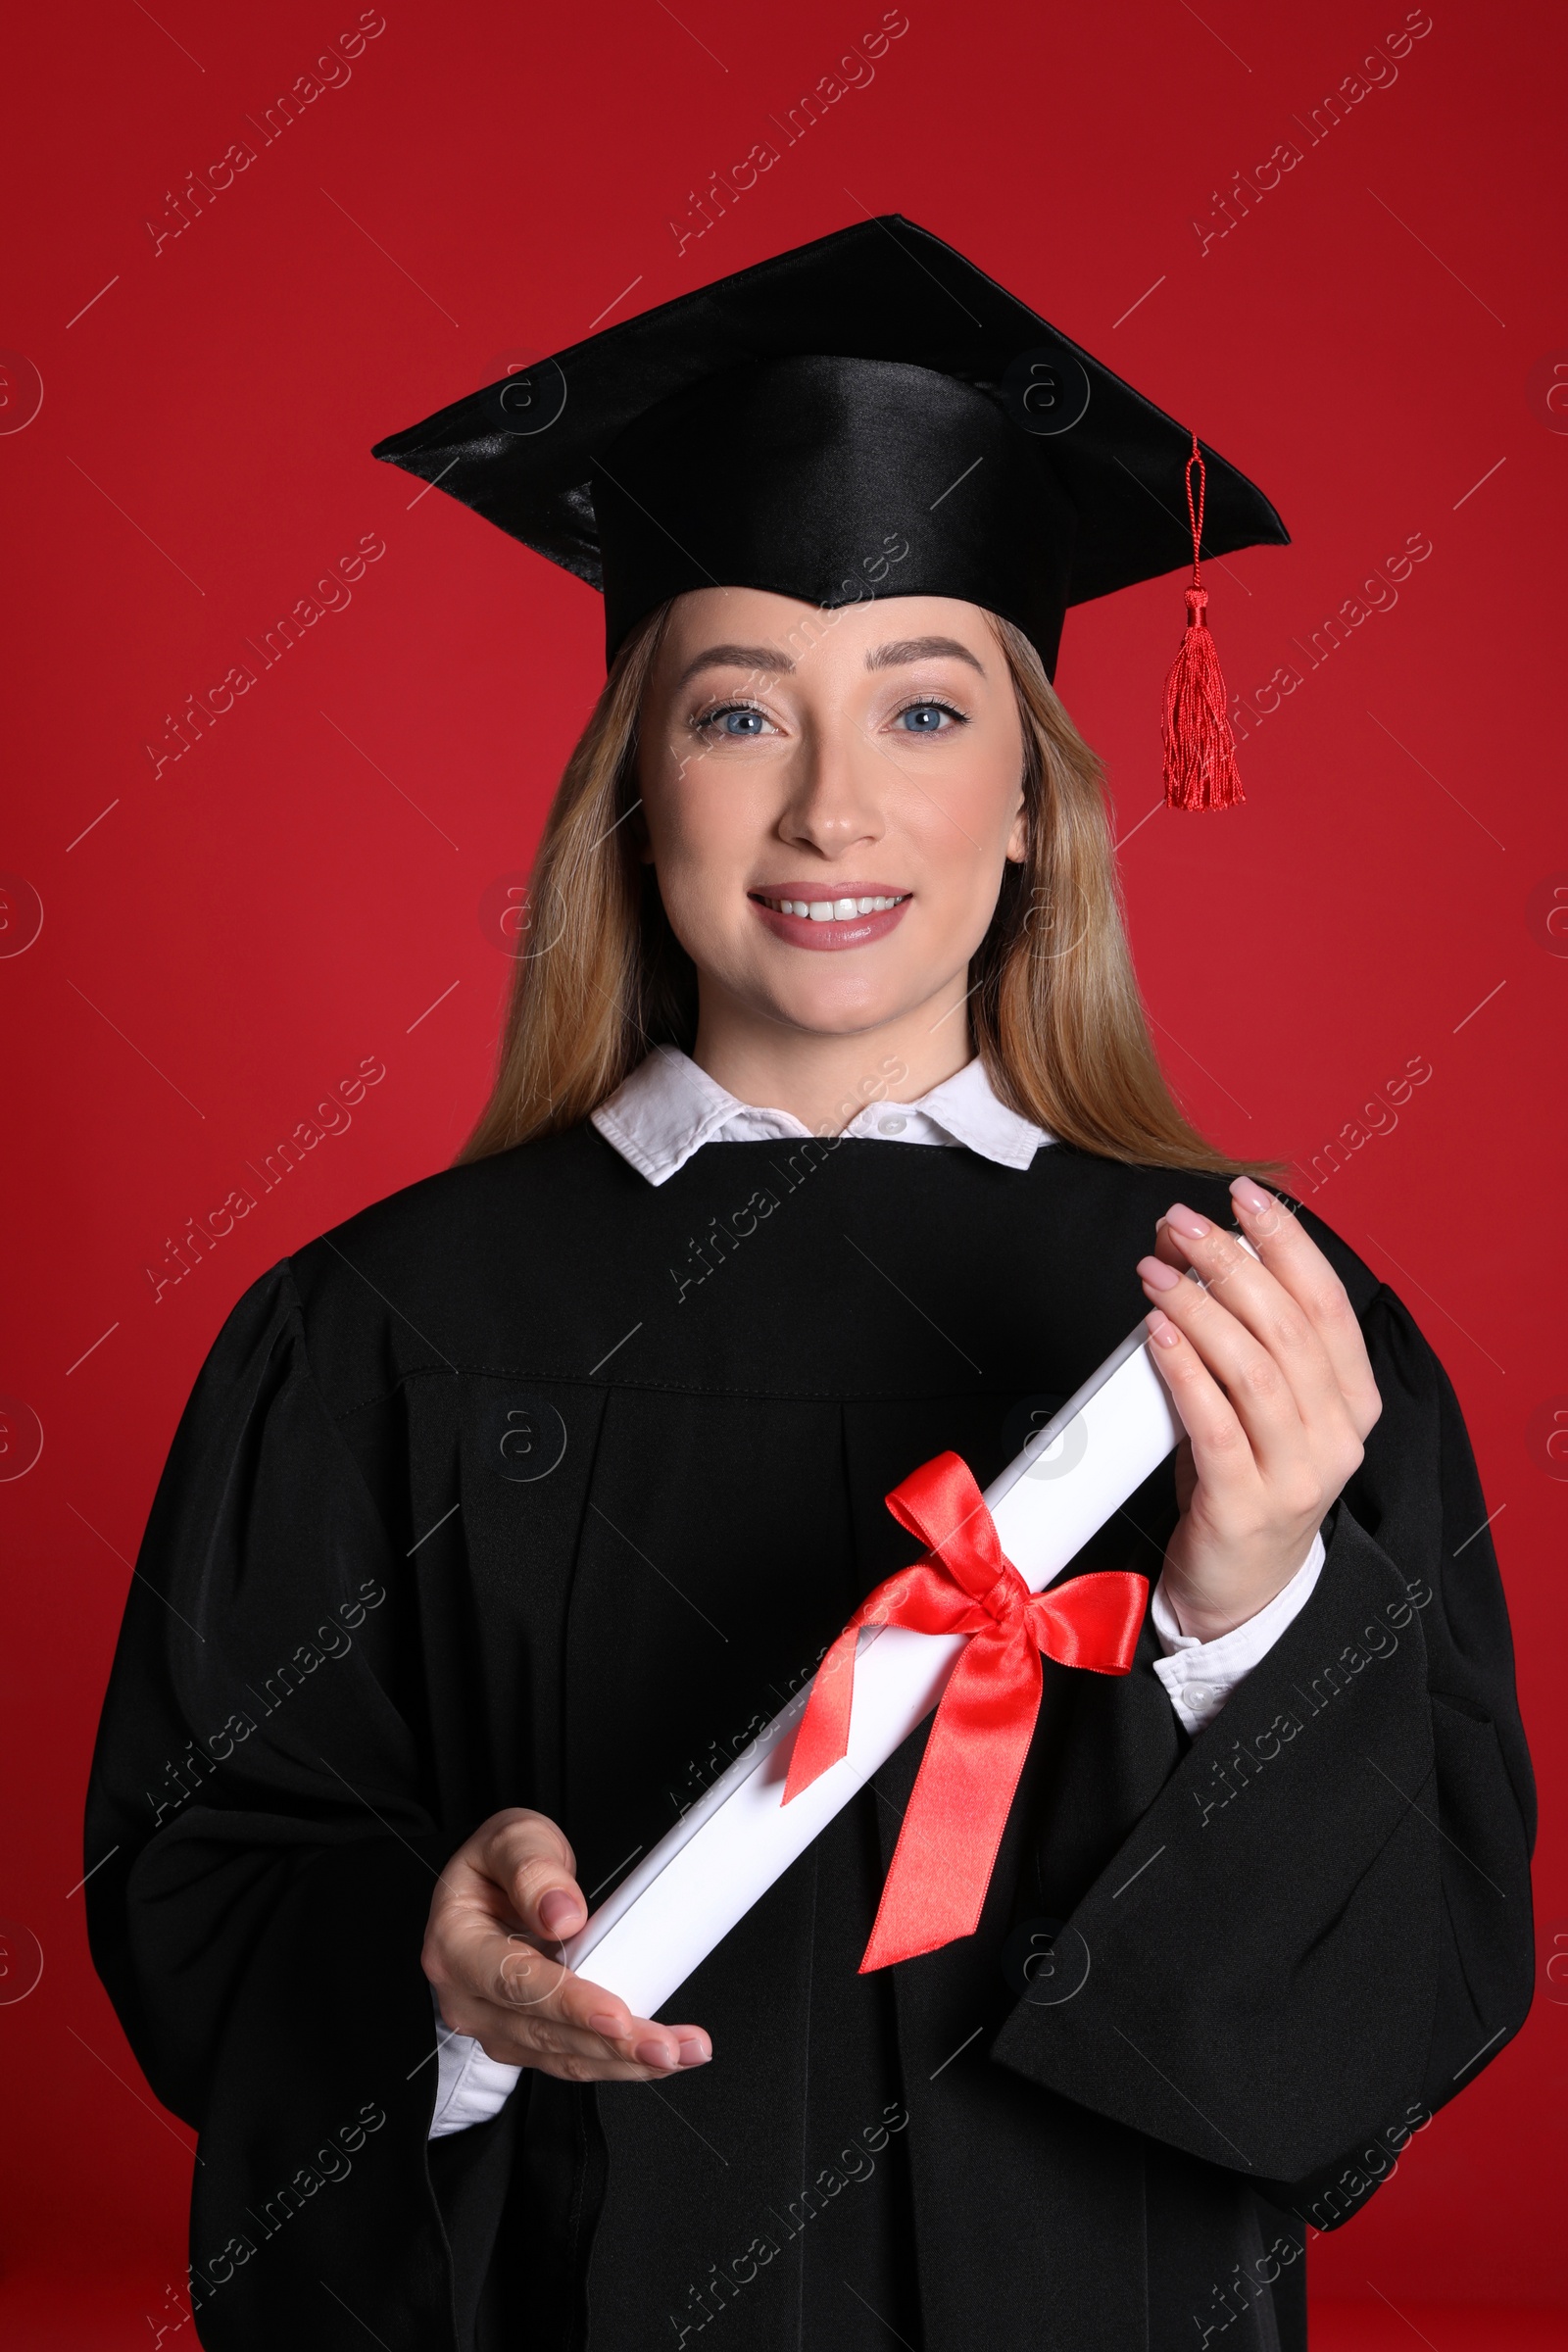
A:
(1199, 745)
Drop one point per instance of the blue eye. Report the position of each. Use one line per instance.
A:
(739, 721)
(925, 719)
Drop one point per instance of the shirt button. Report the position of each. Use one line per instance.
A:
(891, 1125)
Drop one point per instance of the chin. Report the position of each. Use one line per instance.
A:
(841, 1012)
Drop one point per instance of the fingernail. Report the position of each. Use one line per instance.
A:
(1251, 1197)
(559, 1912)
(1156, 1275)
(611, 2028)
(1162, 1330)
(649, 2052)
(1187, 1221)
(693, 2051)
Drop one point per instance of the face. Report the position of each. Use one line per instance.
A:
(830, 799)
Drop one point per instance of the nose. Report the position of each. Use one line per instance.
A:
(836, 801)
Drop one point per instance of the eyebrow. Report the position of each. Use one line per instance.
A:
(765, 657)
(919, 648)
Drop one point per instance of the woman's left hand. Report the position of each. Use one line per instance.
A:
(1269, 1374)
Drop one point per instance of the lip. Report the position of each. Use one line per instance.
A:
(857, 931)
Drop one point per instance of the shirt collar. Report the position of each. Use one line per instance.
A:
(669, 1108)
(967, 1109)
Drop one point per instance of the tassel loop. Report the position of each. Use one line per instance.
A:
(1199, 744)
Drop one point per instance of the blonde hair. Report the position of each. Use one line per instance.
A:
(1054, 1007)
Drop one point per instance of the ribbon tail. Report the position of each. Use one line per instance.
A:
(823, 1736)
(1093, 1622)
(963, 1792)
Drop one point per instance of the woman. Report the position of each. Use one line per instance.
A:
(503, 1516)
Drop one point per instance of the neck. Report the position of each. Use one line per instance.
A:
(822, 1078)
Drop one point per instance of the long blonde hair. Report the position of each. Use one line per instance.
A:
(1055, 1009)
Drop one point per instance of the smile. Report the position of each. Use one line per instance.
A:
(832, 910)
(799, 916)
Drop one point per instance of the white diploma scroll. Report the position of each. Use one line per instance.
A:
(724, 1853)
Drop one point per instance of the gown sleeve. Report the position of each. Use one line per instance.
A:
(1320, 1930)
(262, 1855)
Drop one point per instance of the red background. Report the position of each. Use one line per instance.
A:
(223, 939)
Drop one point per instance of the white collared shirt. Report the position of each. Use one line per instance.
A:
(667, 1110)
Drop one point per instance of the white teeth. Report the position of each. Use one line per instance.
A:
(832, 910)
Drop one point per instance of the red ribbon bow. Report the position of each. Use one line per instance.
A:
(948, 1846)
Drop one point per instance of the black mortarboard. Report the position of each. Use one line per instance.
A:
(791, 426)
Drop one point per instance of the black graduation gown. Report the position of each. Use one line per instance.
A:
(537, 1485)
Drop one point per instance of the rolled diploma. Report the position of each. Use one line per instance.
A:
(724, 1853)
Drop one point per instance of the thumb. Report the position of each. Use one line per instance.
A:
(530, 1858)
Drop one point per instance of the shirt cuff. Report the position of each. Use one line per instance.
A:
(470, 2087)
(1200, 1676)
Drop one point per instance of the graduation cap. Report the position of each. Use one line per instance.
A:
(866, 414)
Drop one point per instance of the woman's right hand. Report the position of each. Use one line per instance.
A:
(506, 1893)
